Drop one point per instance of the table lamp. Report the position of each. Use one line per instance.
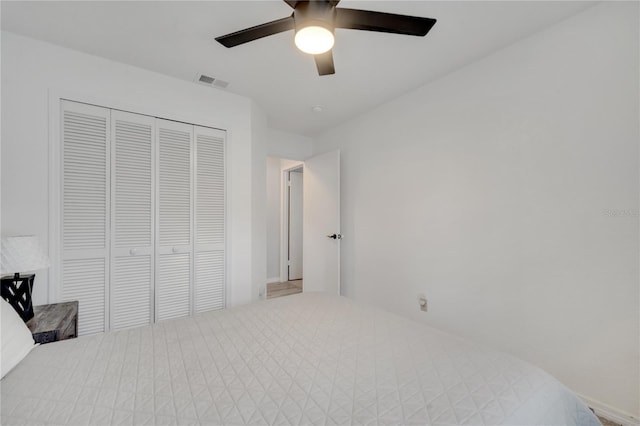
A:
(17, 255)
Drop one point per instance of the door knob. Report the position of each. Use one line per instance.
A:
(335, 236)
(175, 249)
(133, 252)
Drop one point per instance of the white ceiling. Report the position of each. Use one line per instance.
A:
(177, 39)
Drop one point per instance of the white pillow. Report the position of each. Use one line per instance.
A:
(15, 337)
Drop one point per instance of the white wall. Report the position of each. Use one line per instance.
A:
(259, 201)
(33, 71)
(288, 145)
(508, 193)
(274, 187)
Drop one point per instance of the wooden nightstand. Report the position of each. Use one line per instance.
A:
(57, 321)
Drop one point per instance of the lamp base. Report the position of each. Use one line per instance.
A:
(17, 291)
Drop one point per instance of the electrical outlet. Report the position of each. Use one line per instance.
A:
(422, 302)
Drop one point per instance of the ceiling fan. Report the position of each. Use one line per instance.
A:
(314, 22)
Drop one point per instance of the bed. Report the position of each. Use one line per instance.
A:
(307, 359)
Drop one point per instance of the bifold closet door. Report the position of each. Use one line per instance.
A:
(143, 217)
(174, 220)
(132, 213)
(85, 212)
(209, 291)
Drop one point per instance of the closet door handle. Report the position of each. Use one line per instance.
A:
(175, 249)
(133, 252)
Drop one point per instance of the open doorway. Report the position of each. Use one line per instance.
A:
(284, 227)
(321, 225)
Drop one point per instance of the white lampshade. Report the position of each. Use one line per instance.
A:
(22, 254)
(314, 39)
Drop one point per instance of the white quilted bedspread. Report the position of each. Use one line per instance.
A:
(309, 359)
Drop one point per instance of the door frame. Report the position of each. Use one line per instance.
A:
(284, 221)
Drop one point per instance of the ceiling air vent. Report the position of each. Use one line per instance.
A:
(211, 81)
(206, 79)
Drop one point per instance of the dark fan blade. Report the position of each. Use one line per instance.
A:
(382, 22)
(254, 33)
(293, 3)
(324, 62)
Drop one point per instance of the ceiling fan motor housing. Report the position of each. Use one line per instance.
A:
(314, 23)
(312, 13)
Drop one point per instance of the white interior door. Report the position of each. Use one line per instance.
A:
(174, 224)
(85, 212)
(132, 217)
(295, 225)
(209, 288)
(142, 217)
(321, 220)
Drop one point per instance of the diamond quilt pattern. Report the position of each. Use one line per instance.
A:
(308, 359)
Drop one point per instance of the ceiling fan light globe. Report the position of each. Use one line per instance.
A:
(314, 40)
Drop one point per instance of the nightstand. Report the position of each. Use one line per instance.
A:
(57, 321)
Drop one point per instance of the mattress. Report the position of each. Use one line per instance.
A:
(307, 359)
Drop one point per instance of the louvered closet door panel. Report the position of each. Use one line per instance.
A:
(132, 212)
(174, 174)
(174, 295)
(210, 282)
(209, 219)
(84, 281)
(174, 241)
(85, 211)
(131, 291)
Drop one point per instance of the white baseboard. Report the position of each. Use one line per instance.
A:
(610, 413)
(273, 280)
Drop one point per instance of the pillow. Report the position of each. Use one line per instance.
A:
(15, 338)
